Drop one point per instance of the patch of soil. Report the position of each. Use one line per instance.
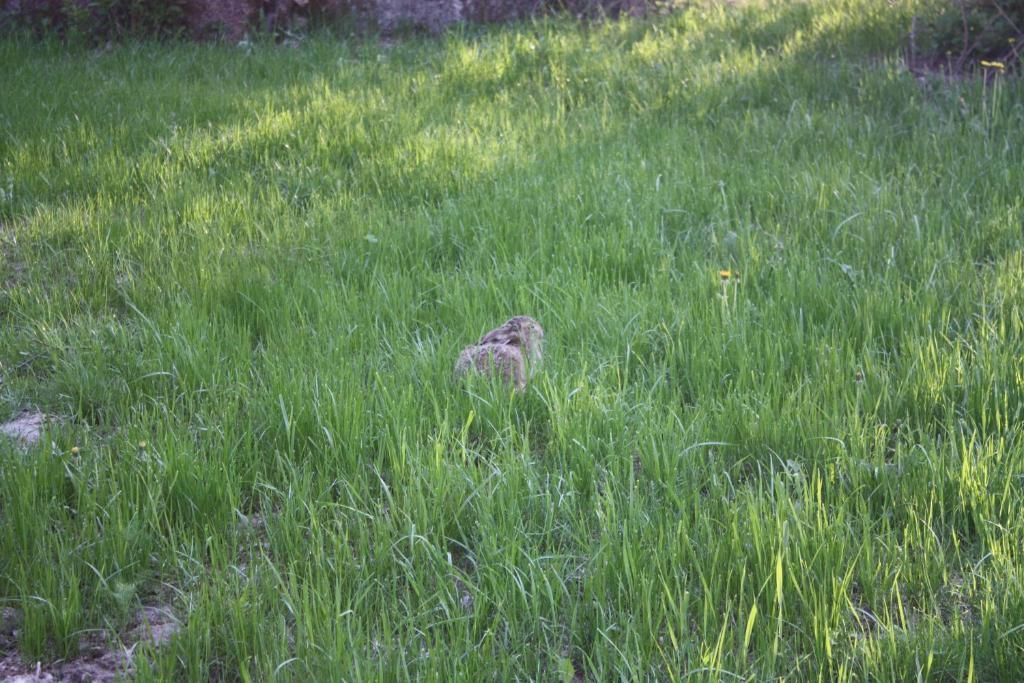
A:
(101, 659)
(26, 427)
(37, 677)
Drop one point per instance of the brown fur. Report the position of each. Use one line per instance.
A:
(513, 351)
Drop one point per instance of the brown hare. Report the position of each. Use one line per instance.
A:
(513, 351)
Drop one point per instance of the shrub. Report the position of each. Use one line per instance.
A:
(963, 33)
(103, 20)
(100, 20)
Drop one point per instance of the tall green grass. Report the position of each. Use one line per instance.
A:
(241, 276)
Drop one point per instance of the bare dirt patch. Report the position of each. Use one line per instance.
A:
(101, 658)
(26, 427)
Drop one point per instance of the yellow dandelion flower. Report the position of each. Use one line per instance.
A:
(999, 66)
(74, 450)
(725, 274)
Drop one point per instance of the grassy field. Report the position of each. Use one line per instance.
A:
(238, 278)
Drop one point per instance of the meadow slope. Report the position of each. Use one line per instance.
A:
(238, 278)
